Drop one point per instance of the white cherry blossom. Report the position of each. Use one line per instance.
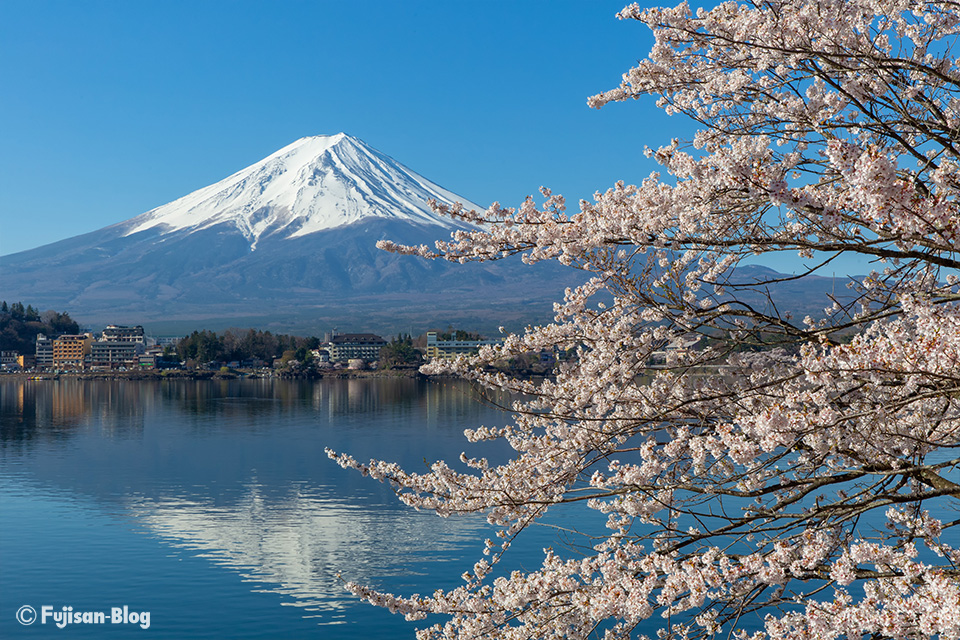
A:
(785, 478)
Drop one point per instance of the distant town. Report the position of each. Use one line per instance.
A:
(51, 342)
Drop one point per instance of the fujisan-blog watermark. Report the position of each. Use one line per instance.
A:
(63, 616)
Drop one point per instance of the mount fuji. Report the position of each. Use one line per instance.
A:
(312, 185)
(286, 243)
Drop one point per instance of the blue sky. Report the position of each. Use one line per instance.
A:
(109, 109)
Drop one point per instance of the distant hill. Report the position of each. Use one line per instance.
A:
(800, 297)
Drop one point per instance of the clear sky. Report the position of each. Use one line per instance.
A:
(109, 109)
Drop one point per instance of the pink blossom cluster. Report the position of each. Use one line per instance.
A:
(782, 478)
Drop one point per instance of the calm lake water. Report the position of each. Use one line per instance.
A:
(212, 506)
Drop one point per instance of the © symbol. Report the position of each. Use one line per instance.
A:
(26, 615)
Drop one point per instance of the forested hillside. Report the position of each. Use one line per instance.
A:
(20, 325)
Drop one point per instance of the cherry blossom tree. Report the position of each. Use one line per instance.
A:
(787, 477)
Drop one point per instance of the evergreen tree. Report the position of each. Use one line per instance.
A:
(19, 326)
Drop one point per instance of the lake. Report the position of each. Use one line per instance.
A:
(209, 509)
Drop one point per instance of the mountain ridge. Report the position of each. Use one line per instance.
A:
(287, 241)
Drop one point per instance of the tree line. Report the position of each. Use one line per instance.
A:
(243, 344)
(247, 344)
(19, 326)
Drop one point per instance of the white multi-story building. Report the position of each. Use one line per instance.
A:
(44, 352)
(8, 359)
(119, 333)
(349, 346)
(450, 349)
(114, 354)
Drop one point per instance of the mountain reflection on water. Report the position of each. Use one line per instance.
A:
(297, 545)
(231, 477)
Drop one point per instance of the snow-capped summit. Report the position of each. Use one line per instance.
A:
(285, 242)
(313, 184)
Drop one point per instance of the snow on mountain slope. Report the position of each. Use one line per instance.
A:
(316, 183)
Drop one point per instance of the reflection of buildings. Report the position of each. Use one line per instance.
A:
(298, 542)
(352, 396)
(36, 407)
(434, 400)
(462, 402)
(29, 409)
(55, 407)
(66, 403)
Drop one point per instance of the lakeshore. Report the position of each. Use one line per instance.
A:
(201, 374)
